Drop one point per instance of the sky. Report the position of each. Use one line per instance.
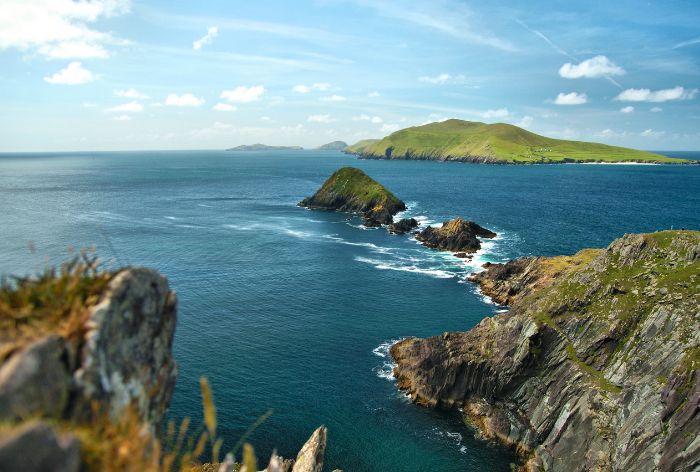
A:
(141, 75)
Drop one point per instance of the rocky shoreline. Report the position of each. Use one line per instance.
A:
(594, 367)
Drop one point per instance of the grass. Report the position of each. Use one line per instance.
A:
(55, 301)
(495, 143)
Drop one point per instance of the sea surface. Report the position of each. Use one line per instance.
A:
(293, 310)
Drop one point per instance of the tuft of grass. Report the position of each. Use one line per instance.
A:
(55, 301)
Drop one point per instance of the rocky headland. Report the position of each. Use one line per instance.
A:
(456, 235)
(593, 368)
(333, 146)
(403, 226)
(87, 373)
(351, 190)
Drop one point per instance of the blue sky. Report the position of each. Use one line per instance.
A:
(119, 74)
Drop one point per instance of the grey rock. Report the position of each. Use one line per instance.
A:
(38, 447)
(127, 357)
(311, 455)
(35, 381)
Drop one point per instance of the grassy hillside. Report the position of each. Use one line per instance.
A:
(497, 143)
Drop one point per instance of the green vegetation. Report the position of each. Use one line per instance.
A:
(350, 189)
(617, 290)
(360, 146)
(497, 143)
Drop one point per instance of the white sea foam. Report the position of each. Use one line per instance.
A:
(386, 369)
(402, 267)
(171, 218)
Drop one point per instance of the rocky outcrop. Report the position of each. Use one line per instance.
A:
(594, 367)
(456, 235)
(351, 190)
(39, 447)
(310, 457)
(403, 226)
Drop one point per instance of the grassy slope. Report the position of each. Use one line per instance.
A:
(496, 143)
(356, 188)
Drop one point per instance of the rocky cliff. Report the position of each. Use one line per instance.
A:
(351, 190)
(595, 365)
(87, 373)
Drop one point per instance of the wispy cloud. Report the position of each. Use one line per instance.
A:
(627, 109)
(131, 93)
(131, 107)
(443, 78)
(499, 113)
(319, 86)
(595, 67)
(573, 98)
(243, 94)
(689, 42)
(321, 119)
(184, 100)
(333, 98)
(223, 107)
(448, 17)
(58, 29)
(665, 95)
(372, 119)
(74, 74)
(212, 31)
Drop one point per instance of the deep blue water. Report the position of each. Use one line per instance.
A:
(286, 308)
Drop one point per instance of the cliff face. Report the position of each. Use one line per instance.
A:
(351, 190)
(87, 373)
(595, 366)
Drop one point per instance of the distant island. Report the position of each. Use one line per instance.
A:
(265, 147)
(499, 143)
(334, 146)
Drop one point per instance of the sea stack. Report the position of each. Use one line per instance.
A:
(351, 190)
(456, 235)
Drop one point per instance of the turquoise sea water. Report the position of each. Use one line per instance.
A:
(293, 310)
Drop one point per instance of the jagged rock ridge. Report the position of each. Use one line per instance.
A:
(595, 366)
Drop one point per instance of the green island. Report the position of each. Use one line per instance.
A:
(498, 143)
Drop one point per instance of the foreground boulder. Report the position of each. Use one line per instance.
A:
(456, 235)
(351, 190)
(595, 366)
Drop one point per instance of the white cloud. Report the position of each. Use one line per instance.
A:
(665, 95)
(89, 105)
(525, 122)
(318, 86)
(572, 98)
(441, 79)
(389, 128)
(333, 98)
(131, 107)
(184, 100)
(373, 94)
(131, 93)
(243, 94)
(122, 118)
(499, 113)
(656, 109)
(627, 109)
(321, 119)
(212, 31)
(58, 28)
(371, 119)
(650, 133)
(224, 107)
(74, 74)
(595, 67)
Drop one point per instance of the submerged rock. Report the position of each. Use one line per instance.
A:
(403, 226)
(351, 190)
(456, 235)
(578, 376)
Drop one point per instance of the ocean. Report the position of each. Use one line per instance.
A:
(293, 310)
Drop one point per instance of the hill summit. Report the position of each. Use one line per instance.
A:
(498, 143)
